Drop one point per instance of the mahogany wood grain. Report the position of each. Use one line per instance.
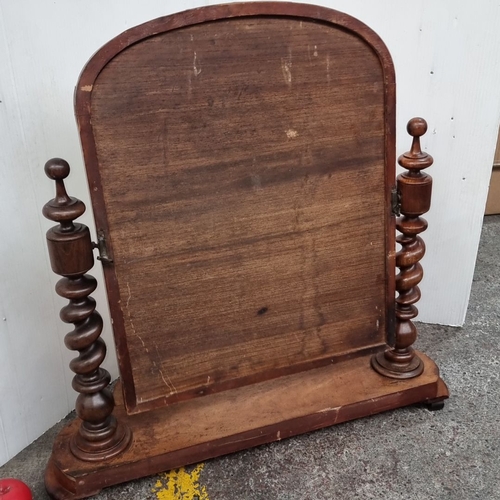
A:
(244, 165)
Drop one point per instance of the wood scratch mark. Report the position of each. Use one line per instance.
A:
(278, 436)
(291, 133)
(129, 297)
(196, 70)
(336, 417)
(171, 389)
(86, 88)
(286, 68)
(237, 441)
(189, 85)
(326, 410)
(130, 319)
(328, 68)
(169, 383)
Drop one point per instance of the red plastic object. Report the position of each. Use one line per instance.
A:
(13, 489)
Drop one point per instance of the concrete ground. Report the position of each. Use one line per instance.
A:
(409, 453)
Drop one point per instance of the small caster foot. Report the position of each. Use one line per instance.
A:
(435, 405)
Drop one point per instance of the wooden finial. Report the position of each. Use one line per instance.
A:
(416, 160)
(414, 189)
(63, 208)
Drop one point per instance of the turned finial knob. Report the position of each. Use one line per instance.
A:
(417, 127)
(415, 159)
(63, 208)
(57, 169)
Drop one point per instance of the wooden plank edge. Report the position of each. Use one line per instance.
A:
(66, 484)
(231, 384)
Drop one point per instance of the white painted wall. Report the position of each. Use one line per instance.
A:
(447, 59)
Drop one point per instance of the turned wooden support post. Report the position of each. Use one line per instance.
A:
(414, 188)
(70, 248)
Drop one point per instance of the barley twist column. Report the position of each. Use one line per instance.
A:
(414, 188)
(100, 436)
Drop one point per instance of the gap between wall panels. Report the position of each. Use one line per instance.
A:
(493, 201)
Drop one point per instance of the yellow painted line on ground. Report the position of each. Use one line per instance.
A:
(179, 484)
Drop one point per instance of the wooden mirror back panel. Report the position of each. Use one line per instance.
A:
(240, 170)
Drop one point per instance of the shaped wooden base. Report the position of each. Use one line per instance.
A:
(237, 419)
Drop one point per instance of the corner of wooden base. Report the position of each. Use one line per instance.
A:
(442, 392)
(442, 389)
(62, 486)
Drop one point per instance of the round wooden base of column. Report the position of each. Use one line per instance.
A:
(101, 449)
(381, 364)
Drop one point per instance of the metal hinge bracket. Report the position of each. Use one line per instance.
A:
(396, 201)
(102, 249)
